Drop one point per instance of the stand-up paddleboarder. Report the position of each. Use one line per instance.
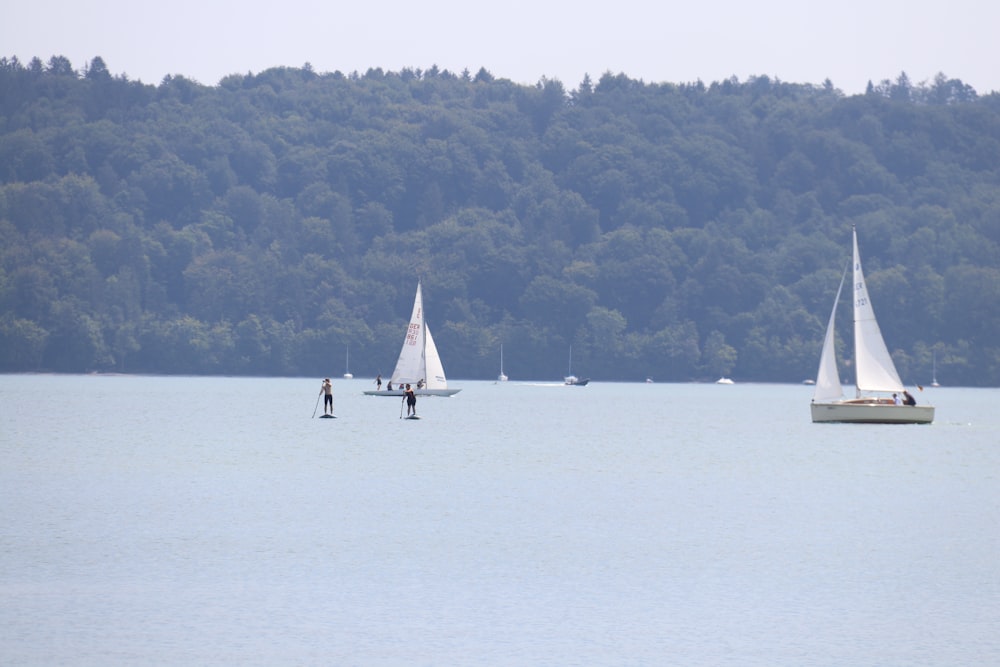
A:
(327, 391)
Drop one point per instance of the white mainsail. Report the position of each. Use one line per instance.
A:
(872, 363)
(411, 357)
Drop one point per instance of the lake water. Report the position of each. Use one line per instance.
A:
(207, 521)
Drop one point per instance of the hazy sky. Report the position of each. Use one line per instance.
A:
(850, 41)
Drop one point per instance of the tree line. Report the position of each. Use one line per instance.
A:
(270, 223)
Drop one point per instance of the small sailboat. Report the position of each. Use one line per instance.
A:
(570, 379)
(503, 376)
(347, 366)
(875, 372)
(934, 382)
(419, 364)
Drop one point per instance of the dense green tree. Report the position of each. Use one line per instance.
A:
(682, 231)
(558, 305)
(22, 344)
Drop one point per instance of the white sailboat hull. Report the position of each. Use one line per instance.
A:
(871, 411)
(418, 392)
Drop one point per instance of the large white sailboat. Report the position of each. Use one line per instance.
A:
(419, 364)
(876, 378)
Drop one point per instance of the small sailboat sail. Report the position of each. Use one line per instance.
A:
(419, 363)
(873, 367)
(934, 382)
(347, 365)
(433, 372)
(502, 377)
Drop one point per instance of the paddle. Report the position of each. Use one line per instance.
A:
(317, 405)
(401, 404)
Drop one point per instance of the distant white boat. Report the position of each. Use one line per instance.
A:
(934, 382)
(570, 379)
(419, 364)
(347, 366)
(724, 380)
(503, 376)
(873, 369)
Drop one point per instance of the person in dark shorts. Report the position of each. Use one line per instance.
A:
(327, 391)
(411, 401)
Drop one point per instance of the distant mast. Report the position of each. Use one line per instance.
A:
(503, 376)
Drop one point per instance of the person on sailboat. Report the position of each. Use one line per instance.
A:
(411, 401)
(378, 382)
(388, 387)
(327, 391)
(420, 383)
(908, 398)
(896, 399)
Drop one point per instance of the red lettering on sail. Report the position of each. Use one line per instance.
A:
(411, 334)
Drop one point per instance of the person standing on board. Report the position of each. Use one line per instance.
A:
(411, 401)
(378, 382)
(327, 391)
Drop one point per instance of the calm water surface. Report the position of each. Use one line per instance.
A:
(178, 520)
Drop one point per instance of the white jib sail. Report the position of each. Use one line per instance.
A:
(872, 364)
(435, 378)
(828, 387)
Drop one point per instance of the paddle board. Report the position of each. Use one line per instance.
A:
(327, 417)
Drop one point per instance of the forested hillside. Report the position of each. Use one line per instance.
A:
(266, 224)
